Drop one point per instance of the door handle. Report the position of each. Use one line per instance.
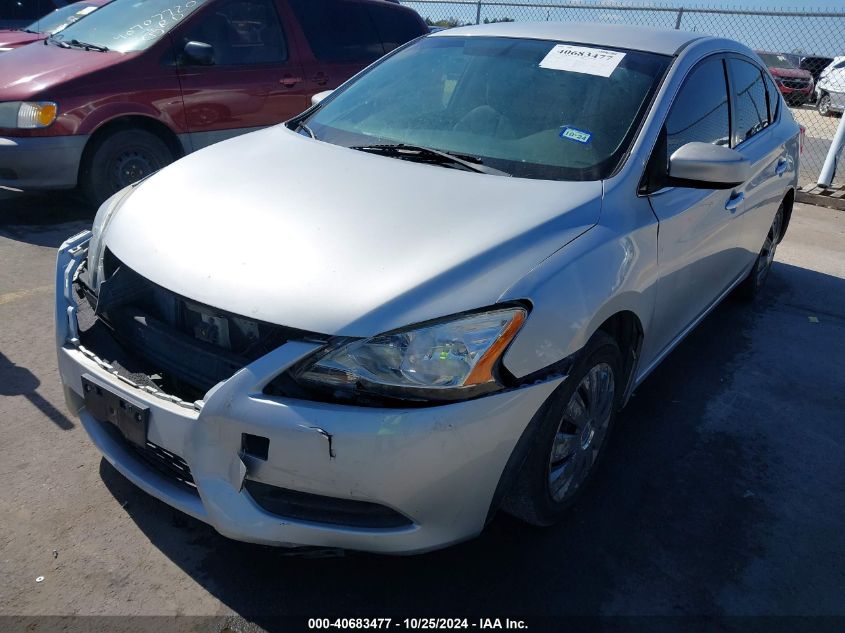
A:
(780, 169)
(289, 81)
(734, 201)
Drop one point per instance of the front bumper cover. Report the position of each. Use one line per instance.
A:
(438, 466)
(43, 162)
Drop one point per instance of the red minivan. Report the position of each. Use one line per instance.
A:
(139, 83)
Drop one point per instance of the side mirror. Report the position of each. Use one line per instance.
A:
(707, 166)
(317, 98)
(199, 53)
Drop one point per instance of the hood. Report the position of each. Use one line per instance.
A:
(790, 73)
(15, 39)
(28, 71)
(297, 232)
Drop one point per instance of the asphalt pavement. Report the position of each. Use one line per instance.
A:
(722, 495)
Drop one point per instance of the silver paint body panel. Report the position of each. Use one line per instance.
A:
(294, 231)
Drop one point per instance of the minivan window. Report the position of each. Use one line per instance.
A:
(700, 111)
(395, 27)
(489, 97)
(130, 25)
(241, 32)
(749, 99)
(338, 30)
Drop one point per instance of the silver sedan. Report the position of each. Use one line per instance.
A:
(426, 298)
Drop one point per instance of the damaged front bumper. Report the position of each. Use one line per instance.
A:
(280, 471)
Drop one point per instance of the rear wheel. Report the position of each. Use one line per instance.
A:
(571, 436)
(824, 105)
(753, 284)
(120, 159)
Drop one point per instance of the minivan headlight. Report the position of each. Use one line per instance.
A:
(28, 115)
(448, 360)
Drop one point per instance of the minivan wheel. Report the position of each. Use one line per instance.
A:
(120, 159)
(751, 286)
(571, 436)
(824, 105)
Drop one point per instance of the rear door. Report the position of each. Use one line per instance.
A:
(340, 40)
(256, 79)
(770, 161)
(697, 241)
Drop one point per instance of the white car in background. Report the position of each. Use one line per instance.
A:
(830, 91)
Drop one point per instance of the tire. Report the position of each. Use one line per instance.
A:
(751, 287)
(823, 105)
(120, 159)
(566, 443)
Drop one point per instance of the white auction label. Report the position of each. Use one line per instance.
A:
(582, 59)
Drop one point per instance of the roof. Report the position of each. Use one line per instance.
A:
(639, 38)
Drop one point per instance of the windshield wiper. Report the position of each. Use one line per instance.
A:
(429, 154)
(302, 126)
(89, 47)
(57, 42)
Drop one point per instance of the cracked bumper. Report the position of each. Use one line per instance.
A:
(438, 466)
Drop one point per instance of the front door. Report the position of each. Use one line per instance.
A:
(698, 254)
(255, 79)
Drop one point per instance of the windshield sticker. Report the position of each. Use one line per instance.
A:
(86, 11)
(581, 59)
(574, 134)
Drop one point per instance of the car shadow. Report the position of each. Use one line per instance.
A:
(43, 219)
(670, 502)
(19, 381)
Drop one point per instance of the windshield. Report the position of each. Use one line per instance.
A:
(531, 108)
(776, 60)
(130, 25)
(60, 18)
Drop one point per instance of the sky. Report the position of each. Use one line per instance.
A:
(805, 34)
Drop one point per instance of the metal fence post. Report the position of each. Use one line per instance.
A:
(478, 12)
(678, 21)
(829, 168)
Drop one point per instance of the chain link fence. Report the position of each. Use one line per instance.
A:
(806, 48)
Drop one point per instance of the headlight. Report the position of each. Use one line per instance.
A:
(28, 115)
(448, 360)
(96, 246)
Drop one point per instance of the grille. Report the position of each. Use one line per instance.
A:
(168, 464)
(292, 504)
(161, 339)
(796, 84)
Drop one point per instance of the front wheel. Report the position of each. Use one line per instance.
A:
(121, 159)
(753, 284)
(571, 436)
(824, 105)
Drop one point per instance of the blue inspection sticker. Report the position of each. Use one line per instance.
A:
(574, 134)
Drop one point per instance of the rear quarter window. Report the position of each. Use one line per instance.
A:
(339, 31)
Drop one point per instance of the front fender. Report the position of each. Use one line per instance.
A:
(603, 272)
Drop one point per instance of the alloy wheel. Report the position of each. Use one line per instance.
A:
(767, 255)
(581, 431)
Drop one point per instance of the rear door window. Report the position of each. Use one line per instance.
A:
(773, 97)
(339, 31)
(749, 98)
(395, 26)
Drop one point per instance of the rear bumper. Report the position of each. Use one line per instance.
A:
(439, 467)
(46, 162)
